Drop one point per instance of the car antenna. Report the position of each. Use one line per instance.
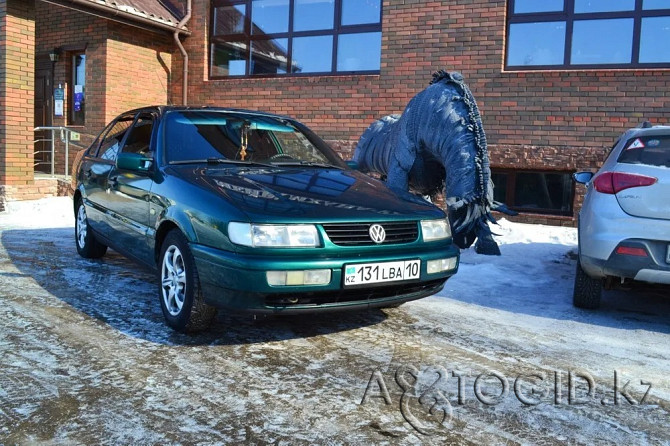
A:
(645, 125)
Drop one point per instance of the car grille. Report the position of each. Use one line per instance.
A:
(357, 234)
(412, 290)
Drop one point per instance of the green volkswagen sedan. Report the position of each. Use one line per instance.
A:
(249, 211)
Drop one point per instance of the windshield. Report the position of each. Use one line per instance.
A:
(193, 135)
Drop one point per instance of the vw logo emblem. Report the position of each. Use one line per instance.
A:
(377, 233)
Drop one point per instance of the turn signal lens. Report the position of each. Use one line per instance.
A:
(615, 182)
(298, 278)
(441, 265)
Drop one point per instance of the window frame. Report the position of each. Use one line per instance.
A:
(569, 16)
(248, 37)
(510, 189)
(147, 115)
(129, 117)
(71, 121)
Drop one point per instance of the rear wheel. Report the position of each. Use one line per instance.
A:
(179, 289)
(87, 245)
(588, 291)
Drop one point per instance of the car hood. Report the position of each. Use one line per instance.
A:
(307, 194)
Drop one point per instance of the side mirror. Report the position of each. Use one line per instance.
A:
(353, 164)
(582, 177)
(135, 162)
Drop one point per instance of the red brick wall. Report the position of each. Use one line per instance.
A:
(138, 69)
(58, 27)
(40, 188)
(546, 120)
(562, 109)
(17, 53)
(126, 67)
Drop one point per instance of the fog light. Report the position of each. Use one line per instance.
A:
(298, 278)
(440, 265)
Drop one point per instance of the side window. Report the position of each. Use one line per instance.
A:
(110, 145)
(139, 136)
(93, 149)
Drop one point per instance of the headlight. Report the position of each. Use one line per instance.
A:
(273, 236)
(435, 230)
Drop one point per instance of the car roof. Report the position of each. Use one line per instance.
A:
(162, 109)
(650, 130)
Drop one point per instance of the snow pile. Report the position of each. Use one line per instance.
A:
(53, 212)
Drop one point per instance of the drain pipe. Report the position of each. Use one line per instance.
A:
(184, 21)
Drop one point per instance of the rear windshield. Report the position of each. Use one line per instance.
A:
(651, 150)
(194, 135)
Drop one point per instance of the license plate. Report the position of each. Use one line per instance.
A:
(366, 273)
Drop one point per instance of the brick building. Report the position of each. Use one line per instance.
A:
(556, 83)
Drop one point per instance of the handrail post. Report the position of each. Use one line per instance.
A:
(53, 152)
(67, 149)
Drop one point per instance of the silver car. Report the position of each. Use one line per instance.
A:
(624, 224)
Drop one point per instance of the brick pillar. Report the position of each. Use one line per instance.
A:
(17, 91)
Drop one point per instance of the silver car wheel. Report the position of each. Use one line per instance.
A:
(173, 280)
(82, 227)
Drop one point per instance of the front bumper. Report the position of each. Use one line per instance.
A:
(238, 281)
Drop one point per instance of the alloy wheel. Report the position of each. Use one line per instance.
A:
(173, 280)
(82, 227)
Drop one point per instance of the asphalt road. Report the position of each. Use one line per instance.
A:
(86, 359)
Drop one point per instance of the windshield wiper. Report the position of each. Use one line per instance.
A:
(219, 161)
(306, 163)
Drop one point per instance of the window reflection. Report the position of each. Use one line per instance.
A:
(356, 12)
(603, 5)
(281, 37)
(78, 95)
(654, 40)
(229, 59)
(656, 4)
(536, 43)
(359, 52)
(525, 6)
(614, 33)
(602, 41)
(269, 56)
(269, 16)
(229, 19)
(543, 191)
(313, 54)
(311, 15)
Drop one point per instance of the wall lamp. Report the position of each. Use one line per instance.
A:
(54, 55)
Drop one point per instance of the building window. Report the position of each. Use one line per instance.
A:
(294, 37)
(77, 92)
(587, 34)
(534, 192)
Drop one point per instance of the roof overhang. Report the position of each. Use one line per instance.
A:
(121, 14)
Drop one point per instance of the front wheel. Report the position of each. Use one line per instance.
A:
(87, 245)
(179, 290)
(588, 291)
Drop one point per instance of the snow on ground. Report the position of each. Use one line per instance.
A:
(86, 358)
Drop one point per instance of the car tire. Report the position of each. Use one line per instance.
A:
(87, 245)
(179, 289)
(587, 291)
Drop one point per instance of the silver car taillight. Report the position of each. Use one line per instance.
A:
(615, 182)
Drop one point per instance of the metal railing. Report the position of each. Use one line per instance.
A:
(65, 137)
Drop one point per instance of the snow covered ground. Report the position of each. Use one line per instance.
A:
(500, 356)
